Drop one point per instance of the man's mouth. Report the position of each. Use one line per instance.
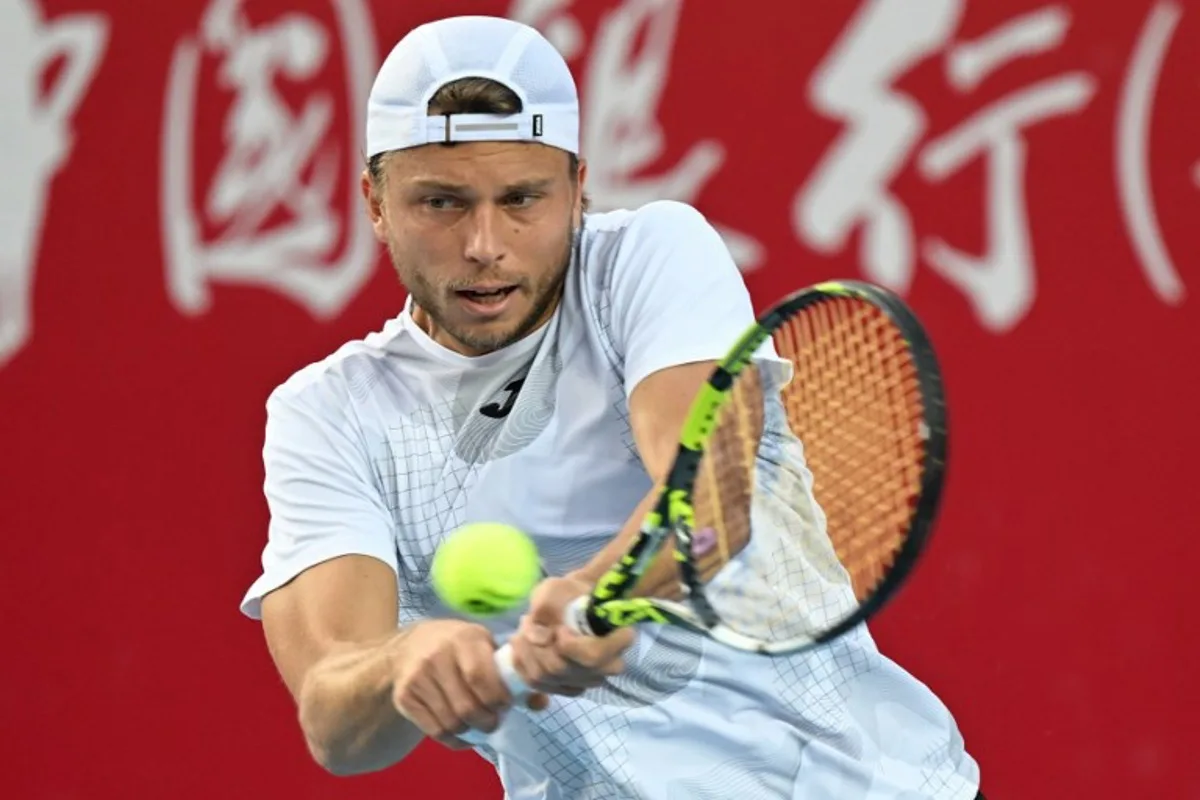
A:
(487, 295)
(485, 302)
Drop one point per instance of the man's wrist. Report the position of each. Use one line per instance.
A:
(396, 643)
(589, 575)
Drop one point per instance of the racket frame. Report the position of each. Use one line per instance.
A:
(610, 607)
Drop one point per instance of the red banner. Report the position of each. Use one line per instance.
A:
(180, 230)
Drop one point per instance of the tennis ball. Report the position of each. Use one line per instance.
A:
(485, 569)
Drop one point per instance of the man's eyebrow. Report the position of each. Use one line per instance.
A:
(434, 185)
(532, 185)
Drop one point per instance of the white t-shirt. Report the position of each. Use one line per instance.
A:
(394, 441)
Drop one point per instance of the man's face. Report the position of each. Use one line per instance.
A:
(481, 235)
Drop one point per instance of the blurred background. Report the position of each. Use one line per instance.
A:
(180, 229)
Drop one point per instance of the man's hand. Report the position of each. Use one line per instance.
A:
(553, 658)
(446, 680)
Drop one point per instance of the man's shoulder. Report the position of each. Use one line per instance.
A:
(627, 242)
(347, 373)
(657, 218)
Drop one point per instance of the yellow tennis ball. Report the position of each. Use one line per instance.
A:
(485, 568)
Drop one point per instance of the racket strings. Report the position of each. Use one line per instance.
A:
(806, 491)
(859, 413)
(783, 581)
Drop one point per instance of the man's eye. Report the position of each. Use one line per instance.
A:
(520, 200)
(441, 203)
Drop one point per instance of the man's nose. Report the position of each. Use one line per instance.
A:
(484, 242)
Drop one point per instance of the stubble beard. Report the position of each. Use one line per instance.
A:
(432, 300)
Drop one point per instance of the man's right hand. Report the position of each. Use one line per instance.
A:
(446, 681)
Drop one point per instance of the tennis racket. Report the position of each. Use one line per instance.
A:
(805, 485)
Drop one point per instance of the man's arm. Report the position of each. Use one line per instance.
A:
(332, 633)
(328, 597)
(546, 654)
(678, 303)
(658, 407)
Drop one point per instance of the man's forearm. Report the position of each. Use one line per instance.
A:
(347, 714)
(661, 578)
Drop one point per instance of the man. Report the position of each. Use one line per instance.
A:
(538, 376)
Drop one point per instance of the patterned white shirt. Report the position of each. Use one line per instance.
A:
(393, 441)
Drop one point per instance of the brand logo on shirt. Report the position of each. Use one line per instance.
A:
(498, 411)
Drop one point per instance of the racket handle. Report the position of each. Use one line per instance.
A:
(575, 618)
(508, 674)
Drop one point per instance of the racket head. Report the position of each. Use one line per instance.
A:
(785, 561)
(928, 427)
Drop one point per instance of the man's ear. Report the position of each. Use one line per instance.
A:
(374, 205)
(581, 201)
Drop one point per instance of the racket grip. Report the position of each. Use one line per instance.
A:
(574, 617)
(508, 674)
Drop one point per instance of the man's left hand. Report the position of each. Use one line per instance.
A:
(553, 658)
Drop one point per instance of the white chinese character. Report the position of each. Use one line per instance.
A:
(627, 72)
(1133, 152)
(274, 197)
(1001, 284)
(35, 140)
(887, 38)
(850, 186)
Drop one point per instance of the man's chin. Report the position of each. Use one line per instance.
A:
(484, 337)
(483, 330)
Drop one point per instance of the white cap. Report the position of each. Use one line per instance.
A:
(436, 53)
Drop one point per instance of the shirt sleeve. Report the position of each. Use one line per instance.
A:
(677, 295)
(322, 494)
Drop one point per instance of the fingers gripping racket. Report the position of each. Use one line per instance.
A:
(804, 487)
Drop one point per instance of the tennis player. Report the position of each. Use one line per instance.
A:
(537, 375)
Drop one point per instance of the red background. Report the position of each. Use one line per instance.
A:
(1051, 612)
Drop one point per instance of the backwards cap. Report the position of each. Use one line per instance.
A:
(436, 53)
